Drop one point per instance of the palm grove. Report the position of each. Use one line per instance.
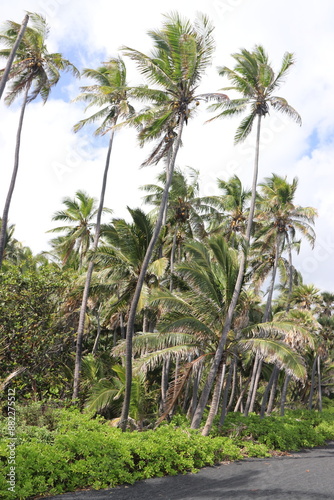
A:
(193, 306)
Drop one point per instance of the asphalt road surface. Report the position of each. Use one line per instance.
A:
(304, 475)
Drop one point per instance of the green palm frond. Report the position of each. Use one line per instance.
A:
(279, 353)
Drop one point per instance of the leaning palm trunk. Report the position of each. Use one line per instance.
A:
(6, 72)
(215, 398)
(228, 321)
(141, 278)
(13, 179)
(82, 316)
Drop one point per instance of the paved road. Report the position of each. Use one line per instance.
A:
(306, 475)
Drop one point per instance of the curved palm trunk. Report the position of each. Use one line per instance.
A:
(13, 179)
(82, 316)
(141, 278)
(196, 421)
(6, 72)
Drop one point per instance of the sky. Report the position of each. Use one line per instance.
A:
(55, 162)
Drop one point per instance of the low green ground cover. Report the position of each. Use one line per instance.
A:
(63, 450)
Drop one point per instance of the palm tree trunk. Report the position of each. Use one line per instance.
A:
(234, 386)
(141, 278)
(319, 384)
(82, 316)
(273, 392)
(226, 390)
(12, 54)
(13, 179)
(98, 333)
(267, 311)
(164, 383)
(172, 259)
(284, 393)
(314, 367)
(215, 398)
(267, 390)
(256, 384)
(196, 421)
(252, 382)
(290, 275)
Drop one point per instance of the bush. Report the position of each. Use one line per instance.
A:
(74, 450)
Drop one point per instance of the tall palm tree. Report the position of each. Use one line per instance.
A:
(253, 78)
(110, 96)
(34, 72)
(181, 54)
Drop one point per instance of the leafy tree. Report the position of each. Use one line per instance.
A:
(33, 339)
(34, 72)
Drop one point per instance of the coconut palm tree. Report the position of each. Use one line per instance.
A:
(79, 216)
(230, 210)
(110, 95)
(279, 220)
(34, 72)
(181, 54)
(253, 78)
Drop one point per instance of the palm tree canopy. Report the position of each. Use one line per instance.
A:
(181, 54)
(34, 66)
(256, 81)
(109, 95)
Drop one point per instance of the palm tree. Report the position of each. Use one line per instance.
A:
(79, 215)
(181, 54)
(110, 96)
(280, 219)
(34, 72)
(231, 210)
(254, 78)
